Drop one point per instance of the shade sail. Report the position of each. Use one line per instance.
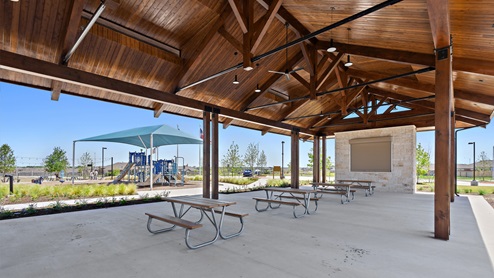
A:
(141, 137)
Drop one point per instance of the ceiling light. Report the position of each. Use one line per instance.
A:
(257, 90)
(348, 62)
(249, 68)
(235, 81)
(331, 48)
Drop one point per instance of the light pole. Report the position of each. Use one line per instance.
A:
(282, 155)
(473, 182)
(103, 162)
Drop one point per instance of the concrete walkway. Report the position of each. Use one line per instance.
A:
(386, 235)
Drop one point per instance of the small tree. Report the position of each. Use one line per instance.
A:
(7, 160)
(251, 155)
(262, 161)
(232, 159)
(423, 161)
(84, 160)
(483, 164)
(311, 161)
(56, 161)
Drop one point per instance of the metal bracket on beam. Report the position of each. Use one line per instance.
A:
(216, 110)
(208, 108)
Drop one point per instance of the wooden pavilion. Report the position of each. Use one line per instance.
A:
(428, 63)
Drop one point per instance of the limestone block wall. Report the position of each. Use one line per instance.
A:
(402, 177)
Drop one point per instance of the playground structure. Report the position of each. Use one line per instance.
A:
(164, 171)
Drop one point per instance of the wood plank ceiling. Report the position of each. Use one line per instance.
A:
(148, 52)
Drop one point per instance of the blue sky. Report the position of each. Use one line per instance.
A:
(32, 125)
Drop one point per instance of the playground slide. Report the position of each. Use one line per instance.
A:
(124, 172)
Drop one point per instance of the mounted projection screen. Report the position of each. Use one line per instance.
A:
(371, 154)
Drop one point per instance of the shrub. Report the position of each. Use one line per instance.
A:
(481, 192)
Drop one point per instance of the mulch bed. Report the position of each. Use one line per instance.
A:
(33, 211)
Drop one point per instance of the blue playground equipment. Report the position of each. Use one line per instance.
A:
(164, 171)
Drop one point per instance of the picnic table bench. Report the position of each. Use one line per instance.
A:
(361, 184)
(207, 207)
(298, 197)
(342, 189)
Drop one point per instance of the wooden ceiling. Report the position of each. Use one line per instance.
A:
(180, 57)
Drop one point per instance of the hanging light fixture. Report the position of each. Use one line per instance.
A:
(257, 90)
(348, 61)
(235, 81)
(331, 48)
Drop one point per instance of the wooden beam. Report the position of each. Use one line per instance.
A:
(56, 89)
(465, 64)
(232, 40)
(196, 45)
(275, 77)
(301, 80)
(313, 72)
(323, 158)
(172, 54)
(158, 109)
(294, 159)
(323, 79)
(227, 122)
(439, 20)
(238, 15)
(215, 157)
(266, 21)
(40, 68)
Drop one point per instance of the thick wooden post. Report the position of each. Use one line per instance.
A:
(315, 160)
(214, 162)
(206, 155)
(453, 156)
(295, 159)
(439, 20)
(323, 164)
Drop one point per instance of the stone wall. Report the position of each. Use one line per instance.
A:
(402, 177)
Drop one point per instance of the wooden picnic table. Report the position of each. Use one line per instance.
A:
(297, 197)
(208, 208)
(342, 189)
(361, 184)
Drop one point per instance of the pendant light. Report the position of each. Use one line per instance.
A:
(331, 48)
(257, 90)
(348, 61)
(235, 81)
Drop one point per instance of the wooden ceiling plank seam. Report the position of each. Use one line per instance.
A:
(28, 65)
(264, 24)
(238, 15)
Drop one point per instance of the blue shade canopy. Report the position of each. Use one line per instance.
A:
(141, 137)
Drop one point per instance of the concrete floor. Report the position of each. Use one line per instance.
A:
(386, 235)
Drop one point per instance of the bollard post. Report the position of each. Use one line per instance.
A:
(11, 183)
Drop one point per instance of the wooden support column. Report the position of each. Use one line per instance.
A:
(452, 191)
(294, 171)
(323, 166)
(214, 162)
(315, 160)
(206, 154)
(439, 20)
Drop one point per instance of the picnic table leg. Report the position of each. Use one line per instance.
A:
(269, 195)
(216, 225)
